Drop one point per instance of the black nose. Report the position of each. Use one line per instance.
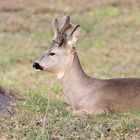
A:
(37, 66)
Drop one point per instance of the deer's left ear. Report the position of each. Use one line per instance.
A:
(74, 37)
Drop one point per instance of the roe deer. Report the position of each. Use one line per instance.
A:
(84, 94)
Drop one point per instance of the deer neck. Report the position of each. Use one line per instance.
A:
(74, 80)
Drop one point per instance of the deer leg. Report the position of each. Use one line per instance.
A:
(90, 111)
(79, 113)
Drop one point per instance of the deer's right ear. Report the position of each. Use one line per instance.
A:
(55, 26)
(75, 34)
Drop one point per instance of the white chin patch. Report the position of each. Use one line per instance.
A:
(60, 75)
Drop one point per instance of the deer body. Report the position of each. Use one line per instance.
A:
(98, 96)
(86, 95)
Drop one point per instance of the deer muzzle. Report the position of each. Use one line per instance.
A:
(37, 66)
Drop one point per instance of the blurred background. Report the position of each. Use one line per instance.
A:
(109, 46)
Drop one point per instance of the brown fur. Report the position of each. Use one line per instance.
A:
(86, 95)
(99, 96)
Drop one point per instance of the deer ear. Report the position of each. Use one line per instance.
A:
(75, 34)
(55, 24)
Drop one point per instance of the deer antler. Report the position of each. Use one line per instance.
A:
(60, 30)
(65, 25)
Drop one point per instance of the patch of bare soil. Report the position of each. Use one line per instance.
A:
(6, 101)
(12, 94)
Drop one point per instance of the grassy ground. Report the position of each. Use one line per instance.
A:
(109, 48)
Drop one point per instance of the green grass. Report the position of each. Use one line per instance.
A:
(109, 48)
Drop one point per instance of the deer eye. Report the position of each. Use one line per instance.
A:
(51, 53)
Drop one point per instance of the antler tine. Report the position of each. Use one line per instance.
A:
(65, 24)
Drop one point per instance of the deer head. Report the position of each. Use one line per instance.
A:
(60, 55)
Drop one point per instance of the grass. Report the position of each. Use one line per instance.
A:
(109, 47)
